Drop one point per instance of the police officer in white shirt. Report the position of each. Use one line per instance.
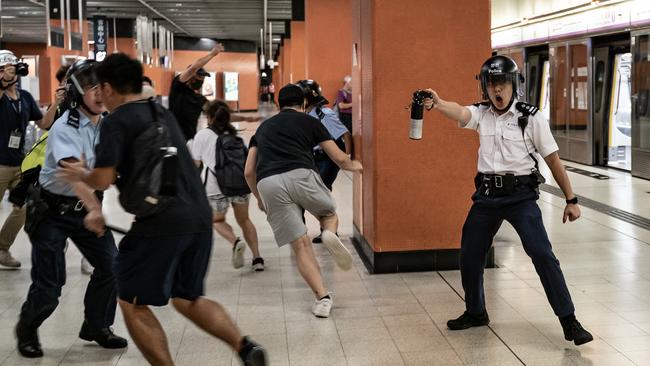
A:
(507, 188)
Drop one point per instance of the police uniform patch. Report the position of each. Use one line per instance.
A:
(526, 109)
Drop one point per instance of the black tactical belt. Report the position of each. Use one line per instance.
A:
(495, 185)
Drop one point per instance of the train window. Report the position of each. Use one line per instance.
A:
(600, 83)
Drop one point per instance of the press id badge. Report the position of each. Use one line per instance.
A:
(14, 139)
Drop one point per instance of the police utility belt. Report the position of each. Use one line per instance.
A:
(497, 185)
(65, 205)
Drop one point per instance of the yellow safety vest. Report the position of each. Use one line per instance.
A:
(36, 156)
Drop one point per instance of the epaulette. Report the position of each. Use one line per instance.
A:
(73, 118)
(526, 109)
(484, 104)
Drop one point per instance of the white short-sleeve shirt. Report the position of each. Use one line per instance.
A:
(203, 149)
(502, 148)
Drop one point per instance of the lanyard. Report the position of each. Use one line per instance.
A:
(19, 110)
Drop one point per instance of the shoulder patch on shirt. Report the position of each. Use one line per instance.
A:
(526, 109)
(73, 118)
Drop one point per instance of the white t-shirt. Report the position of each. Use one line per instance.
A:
(203, 149)
(502, 147)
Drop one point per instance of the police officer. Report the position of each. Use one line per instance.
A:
(316, 107)
(57, 210)
(507, 188)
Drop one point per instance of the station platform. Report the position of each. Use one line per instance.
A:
(393, 319)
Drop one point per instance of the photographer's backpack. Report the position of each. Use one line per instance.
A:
(230, 159)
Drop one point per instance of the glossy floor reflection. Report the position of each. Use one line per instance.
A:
(396, 319)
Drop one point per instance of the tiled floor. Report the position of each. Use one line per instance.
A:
(396, 319)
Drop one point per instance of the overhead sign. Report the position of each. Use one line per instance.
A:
(100, 28)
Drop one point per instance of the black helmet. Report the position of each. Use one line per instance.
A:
(500, 69)
(312, 92)
(80, 75)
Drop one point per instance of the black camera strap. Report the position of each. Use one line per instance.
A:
(528, 110)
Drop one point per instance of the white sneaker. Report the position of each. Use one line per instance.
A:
(322, 307)
(341, 254)
(86, 267)
(238, 254)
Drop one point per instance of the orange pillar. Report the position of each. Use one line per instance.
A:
(329, 43)
(286, 68)
(298, 51)
(413, 196)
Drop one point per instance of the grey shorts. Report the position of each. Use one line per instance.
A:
(220, 202)
(286, 195)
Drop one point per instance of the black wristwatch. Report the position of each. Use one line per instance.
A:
(573, 201)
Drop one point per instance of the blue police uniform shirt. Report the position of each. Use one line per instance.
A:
(67, 141)
(14, 117)
(331, 122)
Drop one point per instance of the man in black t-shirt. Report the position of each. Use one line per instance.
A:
(281, 173)
(164, 255)
(185, 99)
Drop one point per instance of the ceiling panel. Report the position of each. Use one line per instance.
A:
(24, 20)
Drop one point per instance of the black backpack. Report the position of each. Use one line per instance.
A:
(151, 186)
(230, 158)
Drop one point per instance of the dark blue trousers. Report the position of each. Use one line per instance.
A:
(327, 169)
(483, 222)
(49, 272)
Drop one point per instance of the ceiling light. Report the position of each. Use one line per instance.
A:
(8, 17)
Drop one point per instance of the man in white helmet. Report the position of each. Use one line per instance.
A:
(17, 108)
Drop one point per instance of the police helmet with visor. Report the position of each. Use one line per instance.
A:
(313, 93)
(500, 70)
(79, 78)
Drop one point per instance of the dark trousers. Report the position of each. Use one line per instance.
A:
(482, 223)
(327, 169)
(49, 272)
(346, 119)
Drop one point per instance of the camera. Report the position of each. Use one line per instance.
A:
(417, 112)
(22, 69)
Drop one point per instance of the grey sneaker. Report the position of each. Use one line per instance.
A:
(7, 260)
(238, 254)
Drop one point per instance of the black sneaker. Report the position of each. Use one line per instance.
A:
(573, 331)
(468, 320)
(103, 336)
(28, 343)
(252, 354)
(258, 264)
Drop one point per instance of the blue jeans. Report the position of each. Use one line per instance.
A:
(49, 272)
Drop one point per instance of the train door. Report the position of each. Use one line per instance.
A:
(538, 78)
(612, 104)
(640, 45)
(570, 119)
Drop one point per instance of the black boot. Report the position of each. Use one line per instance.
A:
(28, 344)
(252, 354)
(573, 330)
(103, 336)
(468, 320)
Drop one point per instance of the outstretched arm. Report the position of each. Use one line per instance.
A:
(191, 71)
(451, 110)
